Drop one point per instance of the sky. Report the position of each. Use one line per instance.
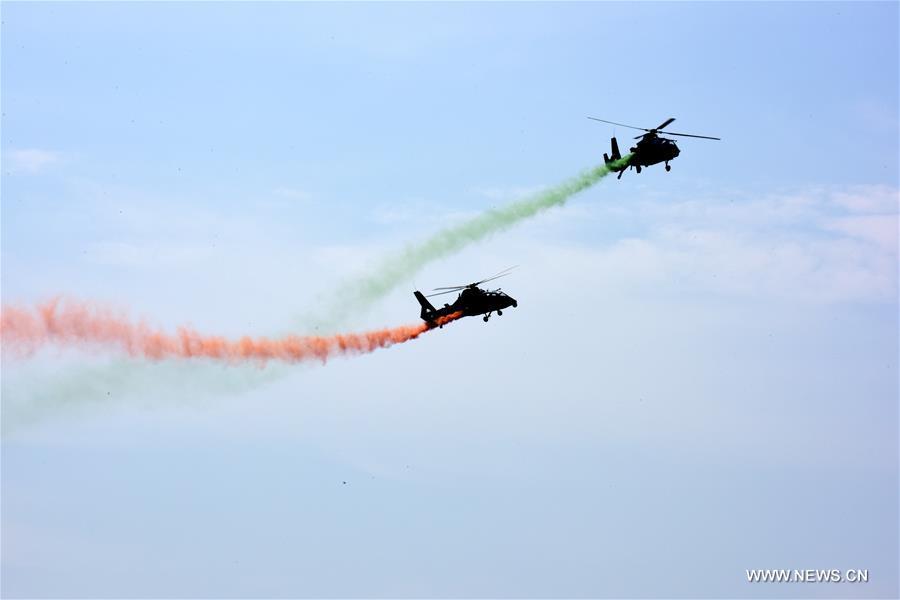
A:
(700, 378)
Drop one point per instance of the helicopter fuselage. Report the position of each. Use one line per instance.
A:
(653, 151)
(475, 301)
(650, 150)
(471, 302)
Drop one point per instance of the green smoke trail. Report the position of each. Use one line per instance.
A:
(33, 396)
(359, 294)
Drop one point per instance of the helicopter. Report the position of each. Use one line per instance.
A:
(472, 301)
(650, 150)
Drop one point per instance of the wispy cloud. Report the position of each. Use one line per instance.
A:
(880, 230)
(813, 245)
(867, 199)
(29, 161)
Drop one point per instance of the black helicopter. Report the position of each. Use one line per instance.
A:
(472, 301)
(650, 150)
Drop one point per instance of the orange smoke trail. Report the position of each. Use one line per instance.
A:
(76, 323)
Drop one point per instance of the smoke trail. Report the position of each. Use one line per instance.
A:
(82, 386)
(363, 292)
(74, 323)
(43, 391)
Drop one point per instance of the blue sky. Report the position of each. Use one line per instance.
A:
(701, 376)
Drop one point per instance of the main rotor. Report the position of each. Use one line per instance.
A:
(655, 130)
(458, 288)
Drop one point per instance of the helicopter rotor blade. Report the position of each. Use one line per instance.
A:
(705, 137)
(505, 271)
(455, 288)
(441, 293)
(502, 273)
(621, 124)
(666, 122)
(489, 279)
